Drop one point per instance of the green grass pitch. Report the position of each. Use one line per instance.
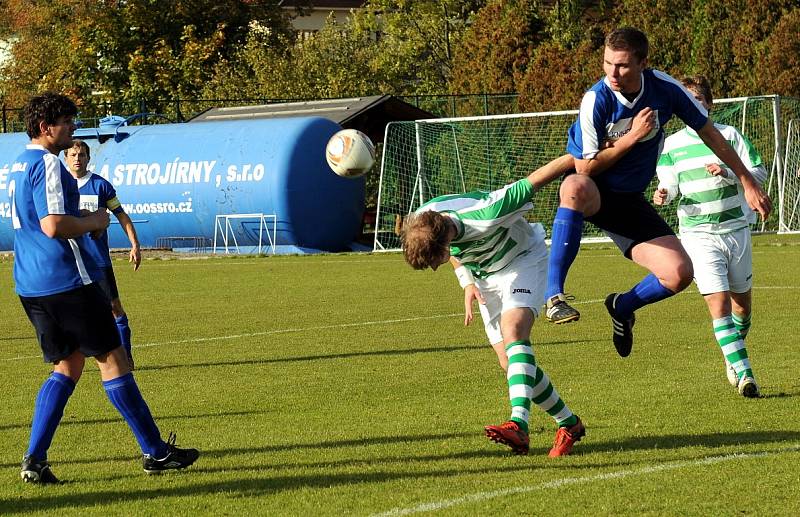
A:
(347, 384)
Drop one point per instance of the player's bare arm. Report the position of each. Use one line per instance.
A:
(641, 125)
(756, 198)
(471, 291)
(61, 226)
(551, 170)
(135, 255)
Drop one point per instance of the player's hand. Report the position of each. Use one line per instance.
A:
(716, 169)
(135, 258)
(756, 198)
(660, 197)
(471, 293)
(643, 123)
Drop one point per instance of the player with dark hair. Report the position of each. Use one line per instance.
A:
(500, 260)
(714, 224)
(55, 278)
(97, 193)
(616, 142)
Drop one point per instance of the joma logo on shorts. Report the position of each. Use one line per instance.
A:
(526, 291)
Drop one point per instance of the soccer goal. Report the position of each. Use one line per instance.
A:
(424, 159)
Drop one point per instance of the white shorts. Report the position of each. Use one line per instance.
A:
(521, 284)
(721, 262)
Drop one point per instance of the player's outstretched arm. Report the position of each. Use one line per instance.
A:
(756, 198)
(551, 170)
(135, 256)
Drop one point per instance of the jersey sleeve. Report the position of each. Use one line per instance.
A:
(108, 197)
(585, 133)
(47, 189)
(684, 105)
(666, 175)
(750, 157)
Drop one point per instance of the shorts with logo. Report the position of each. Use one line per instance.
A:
(722, 262)
(79, 319)
(520, 284)
(628, 219)
(109, 284)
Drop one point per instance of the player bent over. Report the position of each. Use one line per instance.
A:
(501, 261)
(714, 227)
(55, 278)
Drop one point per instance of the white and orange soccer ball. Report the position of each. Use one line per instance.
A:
(350, 153)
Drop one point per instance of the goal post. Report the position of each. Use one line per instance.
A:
(424, 159)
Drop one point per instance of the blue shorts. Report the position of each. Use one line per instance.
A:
(628, 219)
(79, 319)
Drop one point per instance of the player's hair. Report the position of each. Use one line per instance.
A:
(425, 238)
(47, 107)
(630, 39)
(701, 84)
(81, 145)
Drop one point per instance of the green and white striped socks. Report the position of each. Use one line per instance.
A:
(742, 324)
(732, 345)
(527, 382)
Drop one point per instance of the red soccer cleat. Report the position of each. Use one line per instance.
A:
(509, 434)
(566, 438)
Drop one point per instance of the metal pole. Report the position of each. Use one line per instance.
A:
(776, 109)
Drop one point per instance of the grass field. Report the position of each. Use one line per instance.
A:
(346, 384)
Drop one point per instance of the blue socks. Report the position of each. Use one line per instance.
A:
(47, 413)
(564, 246)
(124, 332)
(124, 394)
(648, 291)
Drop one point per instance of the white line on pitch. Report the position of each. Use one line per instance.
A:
(338, 326)
(557, 483)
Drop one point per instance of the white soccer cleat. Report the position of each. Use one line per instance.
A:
(731, 374)
(748, 388)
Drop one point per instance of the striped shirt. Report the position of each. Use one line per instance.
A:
(492, 229)
(40, 186)
(708, 204)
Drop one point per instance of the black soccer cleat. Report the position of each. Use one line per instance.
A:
(35, 471)
(176, 458)
(622, 328)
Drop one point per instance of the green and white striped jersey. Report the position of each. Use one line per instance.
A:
(492, 230)
(708, 204)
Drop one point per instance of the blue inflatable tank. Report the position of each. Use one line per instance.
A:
(174, 179)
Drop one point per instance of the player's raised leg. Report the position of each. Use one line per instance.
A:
(579, 198)
(670, 272)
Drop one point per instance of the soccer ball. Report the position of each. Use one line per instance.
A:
(350, 153)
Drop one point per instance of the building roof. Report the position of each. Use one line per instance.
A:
(367, 114)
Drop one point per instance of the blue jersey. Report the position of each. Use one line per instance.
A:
(606, 115)
(96, 193)
(40, 185)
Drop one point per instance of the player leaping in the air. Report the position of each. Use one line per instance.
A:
(714, 226)
(501, 261)
(629, 108)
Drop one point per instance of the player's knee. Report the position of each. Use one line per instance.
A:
(682, 278)
(578, 192)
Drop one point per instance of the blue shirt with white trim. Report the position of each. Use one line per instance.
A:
(606, 115)
(96, 193)
(40, 185)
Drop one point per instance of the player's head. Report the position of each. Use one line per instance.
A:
(77, 157)
(426, 240)
(624, 59)
(700, 88)
(50, 115)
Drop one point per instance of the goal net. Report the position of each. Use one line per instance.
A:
(429, 158)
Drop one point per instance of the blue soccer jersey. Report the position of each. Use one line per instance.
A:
(40, 185)
(606, 115)
(96, 193)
